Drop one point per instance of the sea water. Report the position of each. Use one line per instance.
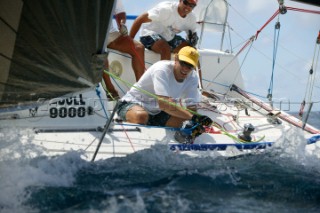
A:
(284, 178)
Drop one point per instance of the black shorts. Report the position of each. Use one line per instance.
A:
(159, 119)
(148, 41)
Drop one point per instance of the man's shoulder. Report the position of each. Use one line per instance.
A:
(163, 63)
(169, 4)
(161, 67)
(166, 5)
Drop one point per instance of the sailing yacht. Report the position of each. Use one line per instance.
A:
(52, 59)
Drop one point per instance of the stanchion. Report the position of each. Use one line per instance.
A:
(106, 129)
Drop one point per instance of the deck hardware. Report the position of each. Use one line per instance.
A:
(246, 134)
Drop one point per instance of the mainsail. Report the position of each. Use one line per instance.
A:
(48, 47)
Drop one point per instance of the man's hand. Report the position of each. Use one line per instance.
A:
(189, 131)
(203, 120)
(193, 38)
(123, 29)
(197, 131)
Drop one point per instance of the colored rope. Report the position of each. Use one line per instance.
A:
(149, 93)
(98, 92)
(275, 50)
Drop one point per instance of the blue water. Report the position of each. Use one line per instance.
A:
(285, 178)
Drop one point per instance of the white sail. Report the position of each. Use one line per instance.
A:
(212, 14)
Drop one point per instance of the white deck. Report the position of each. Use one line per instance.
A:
(76, 123)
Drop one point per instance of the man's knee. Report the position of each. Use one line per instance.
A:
(163, 48)
(139, 47)
(161, 45)
(137, 116)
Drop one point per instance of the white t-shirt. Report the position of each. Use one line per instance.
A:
(118, 9)
(167, 22)
(159, 80)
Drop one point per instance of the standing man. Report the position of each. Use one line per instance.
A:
(161, 24)
(168, 81)
(118, 39)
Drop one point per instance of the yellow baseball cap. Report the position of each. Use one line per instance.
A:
(189, 54)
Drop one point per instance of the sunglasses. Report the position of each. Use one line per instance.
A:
(185, 2)
(185, 64)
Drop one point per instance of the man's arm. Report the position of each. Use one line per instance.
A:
(121, 18)
(143, 18)
(164, 104)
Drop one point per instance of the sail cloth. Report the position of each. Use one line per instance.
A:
(48, 47)
(212, 14)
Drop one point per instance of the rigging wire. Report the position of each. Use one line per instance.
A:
(312, 76)
(245, 45)
(230, 62)
(245, 57)
(186, 130)
(282, 9)
(315, 67)
(275, 50)
(259, 51)
(98, 92)
(149, 93)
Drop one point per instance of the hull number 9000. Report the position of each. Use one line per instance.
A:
(70, 107)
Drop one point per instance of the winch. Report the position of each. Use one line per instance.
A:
(246, 134)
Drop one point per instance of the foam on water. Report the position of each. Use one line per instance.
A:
(284, 178)
(22, 164)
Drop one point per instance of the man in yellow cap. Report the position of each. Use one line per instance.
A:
(165, 82)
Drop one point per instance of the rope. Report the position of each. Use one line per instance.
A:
(314, 68)
(270, 19)
(234, 58)
(303, 10)
(149, 93)
(276, 41)
(249, 41)
(140, 61)
(186, 130)
(148, 126)
(125, 132)
(101, 102)
(245, 57)
(106, 89)
(275, 50)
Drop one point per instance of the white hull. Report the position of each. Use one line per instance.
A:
(77, 123)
